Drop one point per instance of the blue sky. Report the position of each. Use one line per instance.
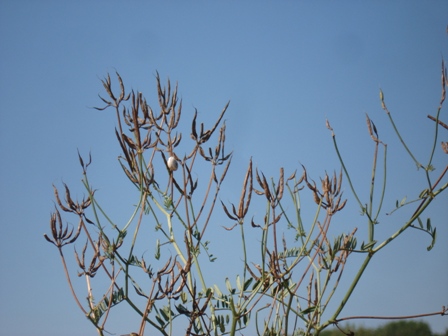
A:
(285, 66)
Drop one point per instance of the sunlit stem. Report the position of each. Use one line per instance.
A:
(90, 296)
(243, 240)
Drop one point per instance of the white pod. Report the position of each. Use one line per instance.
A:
(172, 163)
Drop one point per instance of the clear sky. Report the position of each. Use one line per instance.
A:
(286, 66)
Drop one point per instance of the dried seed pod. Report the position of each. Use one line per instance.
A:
(172, 163)
(445, 147)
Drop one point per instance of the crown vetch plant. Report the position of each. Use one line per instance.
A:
(284, 288)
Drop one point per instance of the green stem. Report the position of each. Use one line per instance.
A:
(372, 188)
(346, 173)
(383, 190)
(419, 165)
(436, 131)
(425, 203)
(350, 291)
(369, 256)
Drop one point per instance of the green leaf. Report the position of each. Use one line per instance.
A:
(367, 246)
(430, 168)
(217, 290)
(245, 319)
(308, 310)
(428, 225)
(247, 284)
(256, 284)
(403, 201)
(336, 245)
(157, 255)
(228, 285)
(165, 314)
(182, 310)
(161, 322)
(183, 297)
(352, 243)
(420, 222)
(325, 266)
(225, 302)
(209, 292)
(434, 236)
(238, 283)
(222, 326)
(133, 260)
